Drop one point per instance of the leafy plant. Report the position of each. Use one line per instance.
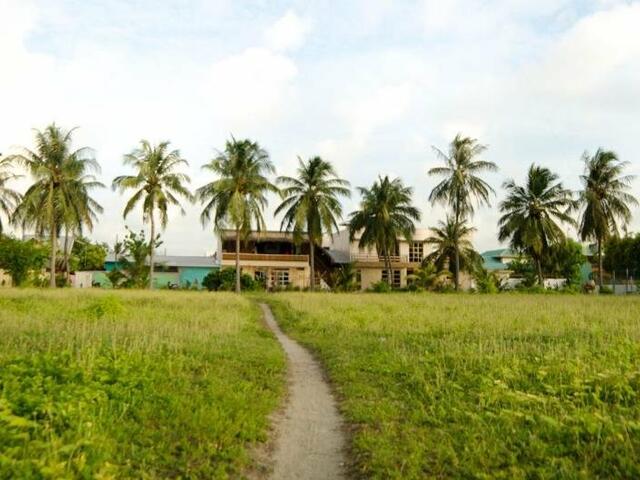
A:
(22, 259)
(224, 280)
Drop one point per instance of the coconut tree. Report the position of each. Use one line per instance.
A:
(531, 214)
(451, 238)
(238, 196)
(311, 203)
(9, 198)
(604, 199)
(386, 213)
(462, 189)
(60, 194)
(157, 185)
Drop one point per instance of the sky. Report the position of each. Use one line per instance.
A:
(370, 85)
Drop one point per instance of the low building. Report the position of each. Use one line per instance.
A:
(272, 257)
(169, 271)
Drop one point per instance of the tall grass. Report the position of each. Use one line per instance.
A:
(508, 386)
(132, 384)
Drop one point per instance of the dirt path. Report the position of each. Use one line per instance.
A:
(309, 442)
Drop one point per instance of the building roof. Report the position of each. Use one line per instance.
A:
(492, 259)
(338, 256)
(261, 236)
(178, 260)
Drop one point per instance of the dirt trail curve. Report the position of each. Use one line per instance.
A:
(309, 443)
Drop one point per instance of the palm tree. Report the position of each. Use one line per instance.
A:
(605, 200)
(452, 242)
(8, 198)
(60, 195)
(311, 203)
(461, 183)
(238, 196)
(531, 212)
(429, 277)
(386, 213)
(157, 185)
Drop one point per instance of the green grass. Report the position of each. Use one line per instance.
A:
(133, 384)
(463, 386)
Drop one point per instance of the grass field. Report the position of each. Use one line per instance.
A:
(132, 384)
(505, 386)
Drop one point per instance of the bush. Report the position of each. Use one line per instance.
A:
(380, 287)
(225, 280)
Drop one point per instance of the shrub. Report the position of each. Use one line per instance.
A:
(380, 287)
(225, 280)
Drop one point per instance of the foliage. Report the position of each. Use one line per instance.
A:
(486, 282)
(9, 198)
(448, 238)
(523, 267)
(605, 200)
(133, 384)
(157, 185)
(238, 196)
(60, 195)
(530, 214)
(622, 254)
(87, 255)
(495, 386)
(311, 203)
(386, 214)
(429, 277)
(565, 261)
(224, 280)
(22, 258)
(132, 269)
(380, 287)
(343, 279)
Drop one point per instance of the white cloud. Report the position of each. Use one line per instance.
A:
(251, 87)
(288, 32)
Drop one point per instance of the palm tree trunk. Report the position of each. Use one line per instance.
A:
(237, 260)
(312, 258)
(457, 267)
(66, 254)
(539, 268)
(52, 264)
(600, 272)
(152, 244)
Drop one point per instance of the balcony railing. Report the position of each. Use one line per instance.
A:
(266, 257)
(371, 258)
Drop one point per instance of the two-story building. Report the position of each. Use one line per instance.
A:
(370, 266)
(272, 257)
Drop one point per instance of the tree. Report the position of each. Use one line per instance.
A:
(224, 280)
(429, 277)
(605, 200)
(344, 279)
(565, 260)
(311, 203)
(87, 255)
(531, 214)
(452, 242)
(19, 258)
(238, 196)
(461, 183)
(386, 213)
(132, 269)
(8, 198)
(157, 185)
(60, 195)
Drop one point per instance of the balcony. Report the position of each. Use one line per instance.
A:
(265, 257)
(372, 258)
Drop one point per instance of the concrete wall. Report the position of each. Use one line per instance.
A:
(5, 279)
(193, 275)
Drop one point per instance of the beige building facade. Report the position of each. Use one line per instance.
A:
(370, 267)
(271, 257)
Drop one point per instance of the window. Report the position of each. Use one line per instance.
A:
(416, 252)
(261, 277)
(280, 278)
(359, 278)
(395, 277)
(410, 279)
